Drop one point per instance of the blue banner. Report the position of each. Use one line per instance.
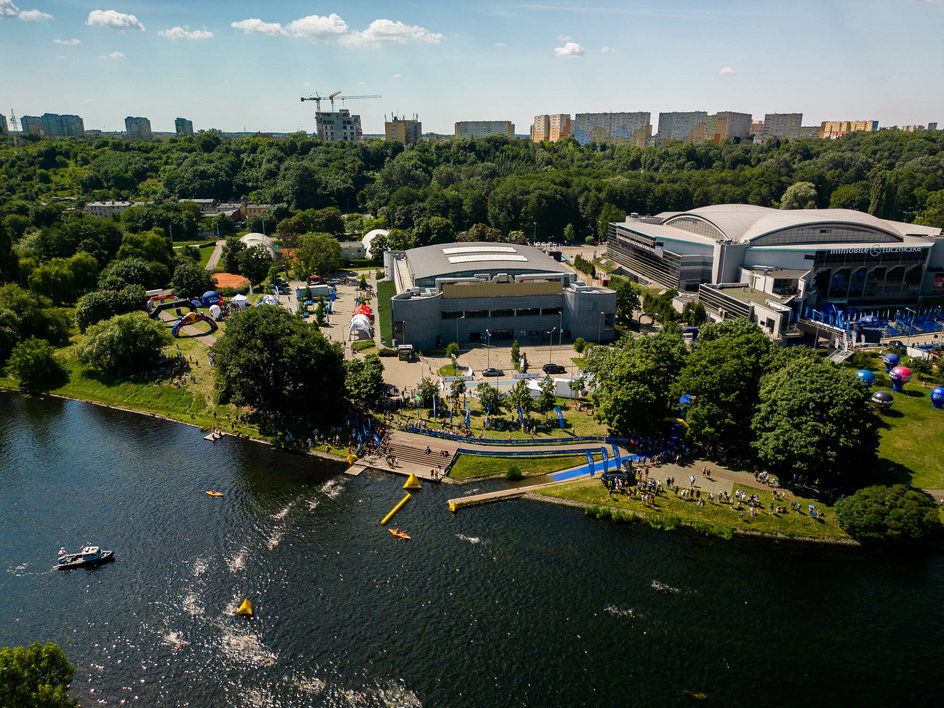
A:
(468, 414)
(434, 406)
(560, 416)
(617, 458)
(590, 463)
(606, 459)
(488, 411)
(521, 415)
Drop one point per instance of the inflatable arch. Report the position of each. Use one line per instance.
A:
(191, 318)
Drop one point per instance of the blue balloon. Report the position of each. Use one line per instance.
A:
(937, 397)
(866, 377)
(891, 361)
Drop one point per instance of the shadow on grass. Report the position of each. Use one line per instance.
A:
(888, 472)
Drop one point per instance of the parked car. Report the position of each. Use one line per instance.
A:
(550, 369)
(493, 372)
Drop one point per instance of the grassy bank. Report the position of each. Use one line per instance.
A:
(912, 440)
(468, 466)
(790, 523)
(385, 291)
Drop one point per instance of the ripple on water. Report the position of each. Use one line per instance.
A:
(332, 488)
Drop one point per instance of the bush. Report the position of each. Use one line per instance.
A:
(724, 531)
(230, 292)
(579, 345)
(666, 522)
(124, 344)
(514, 473)
(893, 515)
(361, 346)
(703, 527)
(385, 351)
(861, 360)
(35, 364)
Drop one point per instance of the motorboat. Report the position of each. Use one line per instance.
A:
(86, 557)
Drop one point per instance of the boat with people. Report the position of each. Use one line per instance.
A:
(399, 534)
(86, 557)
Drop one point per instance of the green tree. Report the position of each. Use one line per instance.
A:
(546, 400)
(280, 366)
(9, 262)
(427, 390)
(570, 234)
(627, 297)
(151, 246)
(931, 215)
(63, 280)
(813, 418)
(124, 344)
(452, 350)
(38, 675)
(229, 257)
(134, 271)
(319, 253)
(893, 515)
(520, 397)
(363, 379)
(254, 263)
(191, 280)
(800, 195)
(24, 314)
(694, 313)
(515, 352)
(35, 364)
(456, 392)
(490, 399)
(434, 229)
(104, 304)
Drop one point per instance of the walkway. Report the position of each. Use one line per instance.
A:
(215, 256)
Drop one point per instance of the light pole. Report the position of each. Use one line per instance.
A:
(460, 317)
(534, 233)
(550, 344)
(488, 349)
(600, 327)
(560, 329)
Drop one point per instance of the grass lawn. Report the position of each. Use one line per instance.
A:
(385, 291)
(450, 370)
(912, 440)
(469, 466)
(790, 523)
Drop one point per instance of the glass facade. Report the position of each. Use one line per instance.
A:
(862, 276)
(644, 256)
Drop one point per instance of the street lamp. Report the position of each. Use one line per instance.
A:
(600, 327)
(534, 233)
(550, 344)
(560, 329)
(488, 350)
(460, 317)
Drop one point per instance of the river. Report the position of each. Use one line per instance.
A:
(511, 604)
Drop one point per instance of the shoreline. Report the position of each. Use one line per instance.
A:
(313, 453)
(642, 516)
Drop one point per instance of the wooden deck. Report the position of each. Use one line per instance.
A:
(501, 495)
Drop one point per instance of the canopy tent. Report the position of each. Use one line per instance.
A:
(239, 301)
(268, 300)
(362, 309)
(360, 327)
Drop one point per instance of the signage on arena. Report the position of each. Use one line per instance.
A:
(875, 251)
(529, 375)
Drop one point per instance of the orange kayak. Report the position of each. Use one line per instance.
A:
(398, 533)
(214, 493)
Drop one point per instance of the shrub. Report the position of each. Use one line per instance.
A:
(580, 344)
(514, 473)
(124, 344)
(35, 364)
(861, 360)
(724, 531)
(385, 351)
(702, 527)
(361, 346)
(893, 515)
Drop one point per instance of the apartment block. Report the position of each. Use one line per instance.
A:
(138, 127)
(403, 130)
(32, 125)
(550, 127)
(3, 125)
(676, 125)
(631, 128)
(53, 125)
(183, 127)
(833, 129)
(339, 126)
(484, 128)
(783, 125)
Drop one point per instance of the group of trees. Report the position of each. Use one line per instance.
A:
(794, 411)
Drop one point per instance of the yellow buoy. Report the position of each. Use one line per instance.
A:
(245, 609)
(351, 458)
(395, 509)
(412, 482)
(452, 507)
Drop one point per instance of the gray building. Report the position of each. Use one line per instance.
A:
(676, 125)
(3, 125)
(632, 128)
(483, 128)
(183, 127)
(783, 125)
(53, 125)
(138, 127)
(32, 125)
(339, 126)
(496, 292)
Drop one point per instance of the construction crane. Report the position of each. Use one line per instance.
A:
(336, 95)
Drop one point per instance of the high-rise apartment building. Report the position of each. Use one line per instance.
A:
(138, 127)
(632, 128)
(31, 124)
(932, 126)
(3, 125)
(783, 125)
(183, 127)
(676, 125)
(833, 129)
(403, 130)
(53, 125)
(724, 124)
(339, 126)
(484, 128)
(550, 127)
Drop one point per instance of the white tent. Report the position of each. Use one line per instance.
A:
(360, 327)
(370, 236)
(269, 300)
(239, 301)
(215, 311)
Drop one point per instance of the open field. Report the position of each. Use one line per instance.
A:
(468, 466)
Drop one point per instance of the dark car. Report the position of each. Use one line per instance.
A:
(493, 372)
(554, 369)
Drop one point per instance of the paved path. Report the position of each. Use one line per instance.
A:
(215, 256)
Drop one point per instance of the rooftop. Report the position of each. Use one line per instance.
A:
(479, 257)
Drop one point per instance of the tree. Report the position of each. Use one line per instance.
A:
(800, 195)
(428, 390)
(694, 313)
(490, 399)
(24, 314)
(35, 364)
(515, 352)
(191, 280)
(9, 262)
(570, 234)
(519, 397)
(103, 304)
(151, 246)
(434, 229)
(814, 419)
(931, 215)
(893, 515)
(627, 297)
(363, 379)
(254, 263)
(456, 391)
(546, 399)
(452, 350)
(280, 366)
(63, 280)
(124, 344)
(38, 675)
(134, 271)
(229, 257)
(319, 253)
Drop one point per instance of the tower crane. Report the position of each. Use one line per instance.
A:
(336, 95)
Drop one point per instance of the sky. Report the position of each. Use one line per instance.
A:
(239, 65)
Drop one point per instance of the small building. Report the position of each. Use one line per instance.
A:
(256, 239)
(478, 292)
(484, 128)
(183, 127)
(106, 210)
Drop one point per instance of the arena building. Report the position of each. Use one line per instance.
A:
(772, 265)
(496, 292)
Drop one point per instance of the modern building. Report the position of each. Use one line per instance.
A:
(630, 128)
(403, 130)
(932, 126)
(809, 131)
(491, 292)
(183, 127)
(138, 127)
(550, 128)
(769, 264)
(3, 125)
(484, 128)
(676, 125)
(32, 125)
(783, 125)
(832, 129)
(339, 126)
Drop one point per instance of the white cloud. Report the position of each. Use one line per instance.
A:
(185, 33)
(396, 76)
(361, 83)
(113, 56)
(727, 71)
(34, 15)
(564, 37)
(605, 50)
(113, 19)
(256, 26)
(388, 31)
(570, 49)
(499, 44)
(317, 27)
(67, 42)
(8, 9)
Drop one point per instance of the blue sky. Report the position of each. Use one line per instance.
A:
(237, 64)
